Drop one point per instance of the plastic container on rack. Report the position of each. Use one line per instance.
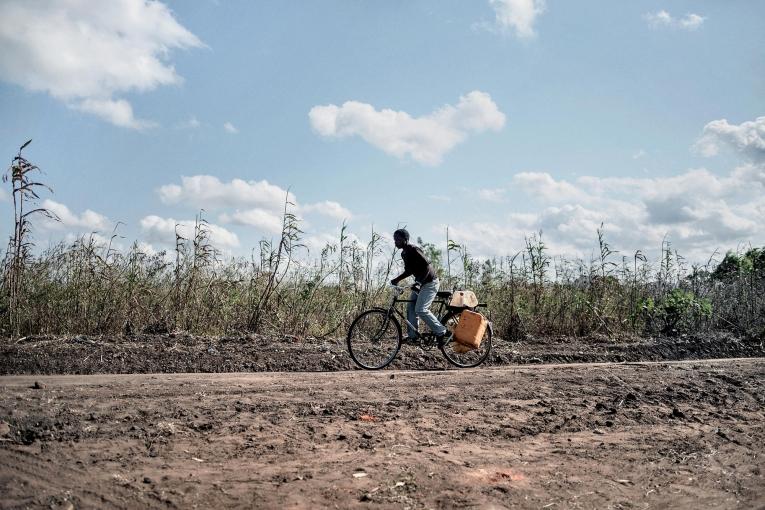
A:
(470, 329)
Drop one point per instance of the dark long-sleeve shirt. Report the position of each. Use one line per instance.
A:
(415, 264)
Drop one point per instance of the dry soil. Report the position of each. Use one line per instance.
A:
(636, 435)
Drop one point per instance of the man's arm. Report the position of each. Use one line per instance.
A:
(407, 269)
(400, 277)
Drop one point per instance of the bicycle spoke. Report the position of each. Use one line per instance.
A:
(373, 339)
(471, 358)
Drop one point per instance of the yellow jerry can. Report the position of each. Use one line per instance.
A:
(470, 329)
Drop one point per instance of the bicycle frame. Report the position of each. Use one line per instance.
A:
(440, 301)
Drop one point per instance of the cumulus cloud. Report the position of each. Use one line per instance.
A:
(518, 15)
(162, 230)
(487, 238)
(328, 208)
(230, 128)
(691, 21)
(209, 192)
(87, 220)
(747, 138)
(698, 211)
(542, 185)
(663, 19)
(660, 18)
(119, 112)
(85, 55)
(146, 248)
(191, 123)
(261, 219)
(492, 195)
(316, 242)
(425, 139)
(752, 173)
(258, 204)
(99, 241)
(271, 221)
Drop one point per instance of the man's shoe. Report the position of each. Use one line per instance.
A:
(445, 338)
(408, 340)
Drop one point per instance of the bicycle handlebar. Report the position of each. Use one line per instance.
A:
(399, 289)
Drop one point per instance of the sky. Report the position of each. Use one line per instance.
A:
(495, 118)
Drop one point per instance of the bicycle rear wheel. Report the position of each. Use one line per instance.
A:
(374, 339)
(468, 359)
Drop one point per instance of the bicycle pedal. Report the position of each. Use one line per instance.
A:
(428, 343)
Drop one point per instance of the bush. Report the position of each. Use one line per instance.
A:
(681, 311)
(733, 265)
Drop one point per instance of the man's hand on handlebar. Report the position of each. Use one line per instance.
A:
(415, 286)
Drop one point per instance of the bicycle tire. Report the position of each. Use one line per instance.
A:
(387, 320)
(468, 359)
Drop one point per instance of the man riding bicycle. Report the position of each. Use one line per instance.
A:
(423, 291)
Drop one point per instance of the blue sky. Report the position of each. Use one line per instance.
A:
(497, 119)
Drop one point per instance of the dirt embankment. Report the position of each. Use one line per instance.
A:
(672, 435)
(180, 353)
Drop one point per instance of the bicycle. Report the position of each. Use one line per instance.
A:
(375, 336)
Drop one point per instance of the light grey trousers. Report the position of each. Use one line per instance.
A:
(419, 308)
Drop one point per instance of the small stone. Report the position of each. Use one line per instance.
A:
(5, 429)
(146, 479)
(598, 431)
(366, 435)
(609, 423)
(38, 385)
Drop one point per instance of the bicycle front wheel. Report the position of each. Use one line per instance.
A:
(374, 339)
(457, 356)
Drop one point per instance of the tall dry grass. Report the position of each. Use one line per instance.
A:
(90, 288)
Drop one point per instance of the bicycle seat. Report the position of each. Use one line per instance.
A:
(444, 293)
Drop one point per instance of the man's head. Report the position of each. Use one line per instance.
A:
(401, 238)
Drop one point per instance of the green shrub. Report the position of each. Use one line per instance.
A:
(734, 264)
(681, 311)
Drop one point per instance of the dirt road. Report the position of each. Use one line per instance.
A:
(176, 353)
(677, 434)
